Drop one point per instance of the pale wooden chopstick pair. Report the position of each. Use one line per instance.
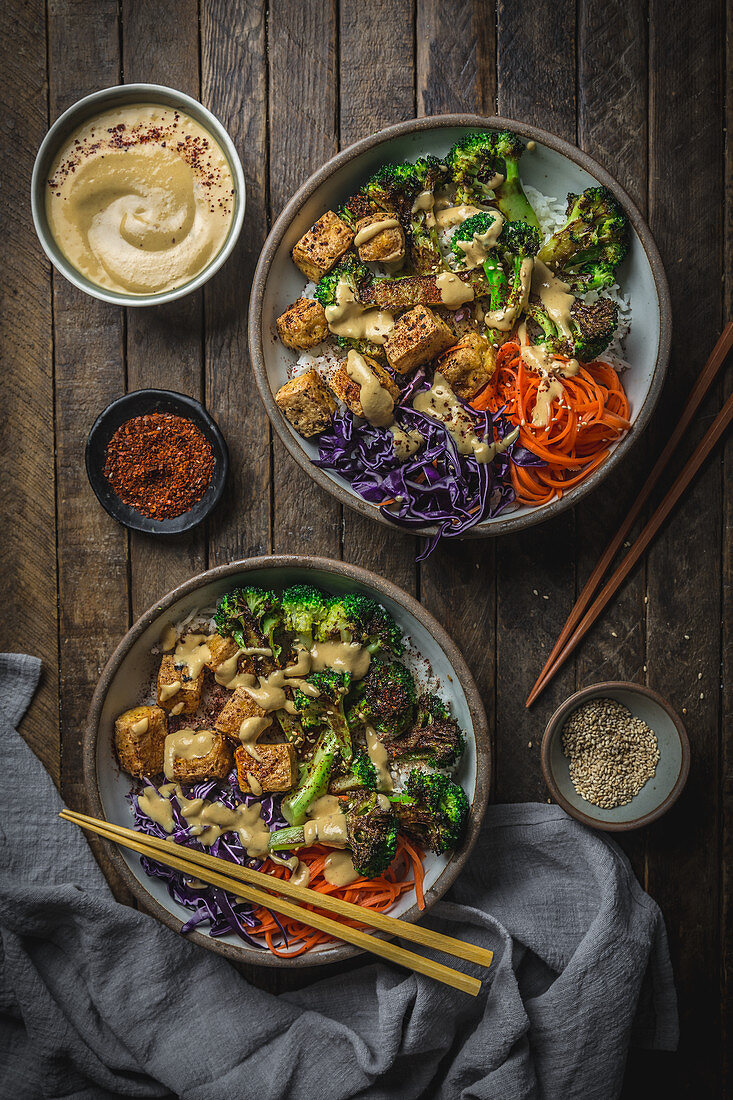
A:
(235, 879)
(586, 610)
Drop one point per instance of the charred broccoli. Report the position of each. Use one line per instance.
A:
(357, 618)
(592, 243)
(385, 699)
(350, 271)
(482, 225)
(320, 702)
(432, 810)
(251, 616)
(303, 608)
(491, 157)
(371, 828)
(590, 331)
(362, 773)
(434, 737)
(314, 783)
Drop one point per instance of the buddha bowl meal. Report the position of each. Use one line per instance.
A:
(301, 732)
(457, 352)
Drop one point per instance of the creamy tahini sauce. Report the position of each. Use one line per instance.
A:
(376, 400)
(326, 823)
(192, 652)
(141, 727)
(301, 876)
(554, 295)
(454, 292)
(379, 758)
(347, 317)
(339, 869)
(250, 731)
(405, 443)
(168, 638)
(140, 199)
(425, 201)
(549, 390)
(477, 249)
(169, 690)
(208, 820)
(369, 232)
(342, 656)
(454, 215)
(186, 744)
(503, 319)
(440, 403)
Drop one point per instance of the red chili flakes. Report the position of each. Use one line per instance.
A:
(159, 464)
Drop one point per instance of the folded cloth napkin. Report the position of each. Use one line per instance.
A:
(98, 1000)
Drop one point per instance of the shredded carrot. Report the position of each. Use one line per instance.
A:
(592, 412)
(375, 893)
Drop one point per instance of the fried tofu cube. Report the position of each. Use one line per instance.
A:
(374, 245)
(303, 325)
(276, 770)
(236, 710)
(417, 337)
(205, 754)
(468, 365)
(349, 391)
(139, 740)
(221, 650)
(177, 692)
(322, 246)
(307, 403)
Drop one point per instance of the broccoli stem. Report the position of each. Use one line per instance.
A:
(511, 199)
(284, 839)
(497, 280)
(295, 807)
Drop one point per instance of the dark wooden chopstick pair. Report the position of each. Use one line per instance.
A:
(263, 890)
(587, 609)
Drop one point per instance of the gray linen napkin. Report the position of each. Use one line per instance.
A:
(98, 1000)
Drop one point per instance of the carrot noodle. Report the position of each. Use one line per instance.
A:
(379, 894)
(592, 413)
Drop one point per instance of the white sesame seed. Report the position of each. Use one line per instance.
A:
(612, 754)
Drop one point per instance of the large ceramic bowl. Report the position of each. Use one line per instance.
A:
(132, 665)
(554, 167)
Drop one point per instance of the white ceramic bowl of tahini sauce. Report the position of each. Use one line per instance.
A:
(137, 194)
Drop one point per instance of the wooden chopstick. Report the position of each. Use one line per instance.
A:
(382, 921)
(168, 853)
(658, 518)
(706, 378)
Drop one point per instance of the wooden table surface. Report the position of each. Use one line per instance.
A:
(640, 86)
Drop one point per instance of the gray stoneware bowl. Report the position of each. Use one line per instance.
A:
(129, 670)
(657, 795)
(555, 167)
(104, 100)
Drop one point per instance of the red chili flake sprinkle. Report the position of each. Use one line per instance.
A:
(159, 464)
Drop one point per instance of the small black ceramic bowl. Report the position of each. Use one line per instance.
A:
(141, 403)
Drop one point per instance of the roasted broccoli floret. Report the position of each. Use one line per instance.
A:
(432, 810)
(357, 618)
(251, 616)
(385, 699)
(590, 331)
(361, 774)
(434, 737)
(325, 707)
(592, 243)
(350, 271)
(481, 225)
(314, 783)
(371, 827)
(303, 607)
(479, 159)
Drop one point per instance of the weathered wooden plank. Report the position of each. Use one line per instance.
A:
(536, 569)
(27, 498)
(726, 757)
(303, 134)
(163, 346)
(89, 370)
(370, 98)
(233, 86)
(456, 71)
(612, 126)
(683, 572)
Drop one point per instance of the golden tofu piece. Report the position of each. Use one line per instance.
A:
(307, 403)
(188, 691)
(349, 391)
(417, 337)
(139, 740)
(215, 764)
(385, 246)
(322, 246)
(276, 770)
(240, 707)
(303, 324)
(468, 365)
(221, 649)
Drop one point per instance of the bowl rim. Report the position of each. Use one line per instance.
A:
(571, 704)
(95, 103)
(510, 522)
(382, 587)
(187, 407)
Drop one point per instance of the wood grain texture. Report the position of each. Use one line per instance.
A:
(372, 97)
(28, 544)
(456, 68)
(303, 134)
(535, 572)
(726, 757)
(683, 613)
(163, 345)
(233, 86)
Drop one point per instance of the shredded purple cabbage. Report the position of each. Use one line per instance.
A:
(437, 485)
(210, 904)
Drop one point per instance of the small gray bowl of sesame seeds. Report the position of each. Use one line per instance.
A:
(615, 756)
